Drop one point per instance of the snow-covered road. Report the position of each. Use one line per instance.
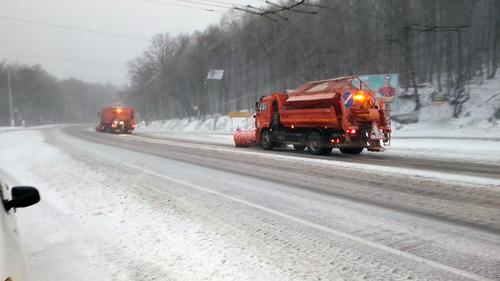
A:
(120, 207)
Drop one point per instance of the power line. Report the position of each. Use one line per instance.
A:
(283, 8)
(205, 5)
(262, 10)
(210, 4)
(222, 4)
(218, 2)
(183, 6)
(61, 58)
(291, 8)
(277, 9)
(67, 27)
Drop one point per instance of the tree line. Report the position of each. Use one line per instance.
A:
(443, 42)
(40, 98)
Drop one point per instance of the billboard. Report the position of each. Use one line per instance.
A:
(385, 86)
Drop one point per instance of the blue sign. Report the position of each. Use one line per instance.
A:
(348, 99)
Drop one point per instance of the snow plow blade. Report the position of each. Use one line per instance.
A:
(245, 138)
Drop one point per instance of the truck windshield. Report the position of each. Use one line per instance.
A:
(262, 106)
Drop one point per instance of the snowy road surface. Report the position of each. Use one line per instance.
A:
(132, 207)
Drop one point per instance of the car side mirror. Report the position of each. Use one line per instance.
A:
(22, 196)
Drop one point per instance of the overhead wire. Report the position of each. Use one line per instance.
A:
(60, 58)
(208, 3)
(206, 9)
(74, 28)
(101, 32)
(199, 2)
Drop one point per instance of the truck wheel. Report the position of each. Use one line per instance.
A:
(352, 150)
(299, 147)
(315, 144)
(266, 140)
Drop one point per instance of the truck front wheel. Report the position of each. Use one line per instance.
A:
(352, 150)
(266, 140)
(315, 144)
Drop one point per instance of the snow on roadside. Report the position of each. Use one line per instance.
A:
(91, 225)
(216, 124)
(19, 128)
(463, 150)
(477, 119)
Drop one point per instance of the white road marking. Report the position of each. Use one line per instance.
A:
(348, 236)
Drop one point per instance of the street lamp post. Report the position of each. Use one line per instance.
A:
(11, 103)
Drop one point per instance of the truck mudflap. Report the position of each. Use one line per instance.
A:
(375, 132)
(376, 135)
(245, 138)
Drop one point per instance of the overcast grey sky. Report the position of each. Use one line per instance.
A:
(27, 42)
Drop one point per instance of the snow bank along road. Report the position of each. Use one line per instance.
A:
(125, 207)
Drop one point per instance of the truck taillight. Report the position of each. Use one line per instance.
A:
(351, 131)
(335, 140)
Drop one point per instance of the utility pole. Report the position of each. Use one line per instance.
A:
(11, 105)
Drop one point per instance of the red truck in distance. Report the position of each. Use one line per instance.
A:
(116, 120)
(320, 116)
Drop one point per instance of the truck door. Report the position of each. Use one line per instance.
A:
(275, 123)
(262, 114)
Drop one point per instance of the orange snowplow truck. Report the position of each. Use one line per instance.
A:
(323, 115)
(116, 120)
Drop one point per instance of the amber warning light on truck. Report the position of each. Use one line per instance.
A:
(359, 96)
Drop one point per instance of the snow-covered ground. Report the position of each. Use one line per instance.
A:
(477, 119)
(114, 214)
(89, 226)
